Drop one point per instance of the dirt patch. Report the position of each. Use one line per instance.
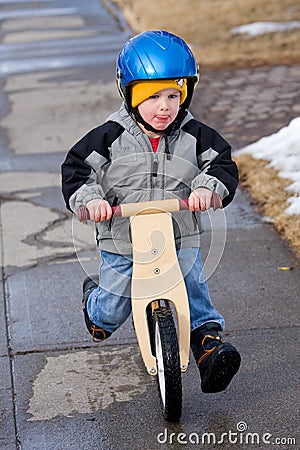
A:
(206, 25)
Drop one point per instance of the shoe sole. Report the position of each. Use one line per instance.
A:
(225, 365)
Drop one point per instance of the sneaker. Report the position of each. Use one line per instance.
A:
(98, 333)
(218, 361)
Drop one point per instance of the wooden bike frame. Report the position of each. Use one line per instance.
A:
(156, 274)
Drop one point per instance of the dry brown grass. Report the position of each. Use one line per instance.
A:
(206, 26)
(268, 189)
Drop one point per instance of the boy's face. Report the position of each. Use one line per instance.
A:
(161, 109)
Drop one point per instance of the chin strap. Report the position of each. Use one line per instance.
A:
(173, 126)
(139, 119)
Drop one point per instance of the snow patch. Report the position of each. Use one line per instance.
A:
(257, 28)
(282, 149)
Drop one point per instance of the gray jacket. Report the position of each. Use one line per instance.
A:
(115, 161)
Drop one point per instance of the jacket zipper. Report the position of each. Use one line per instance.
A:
(154, 175)
(154, 168)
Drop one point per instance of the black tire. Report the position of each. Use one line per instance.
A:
(168, 363)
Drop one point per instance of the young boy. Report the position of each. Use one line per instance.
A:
(152, 149)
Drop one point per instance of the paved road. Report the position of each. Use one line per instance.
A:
(58, 390)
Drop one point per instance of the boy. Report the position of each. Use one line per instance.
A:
(152, 149)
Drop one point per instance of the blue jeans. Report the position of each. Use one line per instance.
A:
(109, 305)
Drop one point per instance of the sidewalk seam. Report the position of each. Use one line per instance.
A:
(9, 346)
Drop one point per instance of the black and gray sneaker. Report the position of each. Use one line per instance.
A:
(218, 361)
(98, 333)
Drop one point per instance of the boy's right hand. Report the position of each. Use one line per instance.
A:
(99, 209)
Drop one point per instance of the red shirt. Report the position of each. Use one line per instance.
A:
(154, 143)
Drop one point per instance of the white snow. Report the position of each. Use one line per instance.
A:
(282, 149)
(257, 28)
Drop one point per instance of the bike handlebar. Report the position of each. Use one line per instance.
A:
(131, 209)
(150, 207)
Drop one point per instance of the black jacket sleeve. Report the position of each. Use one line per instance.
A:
(214, 157)
(76, 168)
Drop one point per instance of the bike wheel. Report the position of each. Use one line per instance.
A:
(168, 363)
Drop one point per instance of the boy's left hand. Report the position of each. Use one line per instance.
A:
(202, 199)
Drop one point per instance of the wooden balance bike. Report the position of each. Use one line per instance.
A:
(157, 290)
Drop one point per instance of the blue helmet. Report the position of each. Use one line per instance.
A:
(155, 55)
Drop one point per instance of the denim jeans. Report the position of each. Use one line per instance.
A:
(109, 305)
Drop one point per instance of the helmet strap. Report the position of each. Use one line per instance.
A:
(145, 124)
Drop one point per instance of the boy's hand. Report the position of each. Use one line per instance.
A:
(202, 199)
(100, 210)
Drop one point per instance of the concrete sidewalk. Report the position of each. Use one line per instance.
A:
(58, 390)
